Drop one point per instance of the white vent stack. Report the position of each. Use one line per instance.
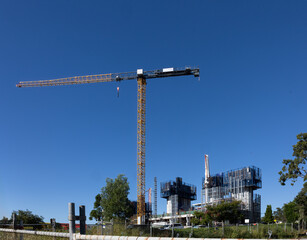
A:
(207, 175)
(149, 197)
(207, 171)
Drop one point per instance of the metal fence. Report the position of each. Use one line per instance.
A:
(10, 234)
(118, 231)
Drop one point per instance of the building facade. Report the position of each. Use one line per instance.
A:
(178, 195)
(232, 185)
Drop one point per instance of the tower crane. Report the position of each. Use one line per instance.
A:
(141, 76)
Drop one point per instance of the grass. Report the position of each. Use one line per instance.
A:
(261, 232)
(258, 232)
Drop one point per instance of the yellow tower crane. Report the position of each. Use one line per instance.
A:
(141, 77)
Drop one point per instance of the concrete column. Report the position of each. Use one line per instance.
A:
(53, 224)
(21, 227)
(15, 224)
(251, 205)
(82, 219)
(72, 220)
(14, 221)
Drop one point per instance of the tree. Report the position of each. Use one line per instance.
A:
(294, 210)
(291, 212)
(5, 220)
(27, 217)
(301, 202)
(96, 213)
(229, 211)
(113, 202)
(279, 215)
(294, 169)
(197, 217)
(268, 216)
(301, 198)
(224, 211)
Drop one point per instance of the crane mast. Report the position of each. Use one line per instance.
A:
(141, 149)
(141, 77)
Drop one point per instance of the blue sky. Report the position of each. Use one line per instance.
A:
(59, 144)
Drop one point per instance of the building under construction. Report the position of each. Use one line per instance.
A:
(178, 194)
(232, 185)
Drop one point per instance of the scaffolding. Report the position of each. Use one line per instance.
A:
(178, 194)
(238, 184)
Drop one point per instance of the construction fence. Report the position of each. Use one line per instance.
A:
(122, 231)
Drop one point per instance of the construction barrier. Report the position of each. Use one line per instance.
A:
(77, 236)
(40, 233)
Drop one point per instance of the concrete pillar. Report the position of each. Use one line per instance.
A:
(14, 221)
(72, 220)
(82, 219)
(251, 205)
(21, 227)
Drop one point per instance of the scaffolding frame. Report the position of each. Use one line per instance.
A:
(178, 194)
(235, 185)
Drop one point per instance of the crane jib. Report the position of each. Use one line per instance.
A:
(160, 73)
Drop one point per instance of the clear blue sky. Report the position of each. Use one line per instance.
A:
(59, 144)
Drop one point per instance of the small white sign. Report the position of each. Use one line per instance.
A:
(168, 69)
(247, 220)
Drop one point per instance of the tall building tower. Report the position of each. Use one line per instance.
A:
(179, 195)
(236, 185)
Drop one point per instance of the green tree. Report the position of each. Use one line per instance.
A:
(27, 217)
(294, 169)
(230, 211)
(268, 216)
(96, 213)
(294, 210)
(113, 202)
(301, 202)
(225, 211)
(5, 220)
(279, 215)
(197, 218)
(201, 218)
(206, 220)
(291, 212)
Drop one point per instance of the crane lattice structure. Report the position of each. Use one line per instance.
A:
(141, 77)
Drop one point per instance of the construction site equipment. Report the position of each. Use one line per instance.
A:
(141, 76)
